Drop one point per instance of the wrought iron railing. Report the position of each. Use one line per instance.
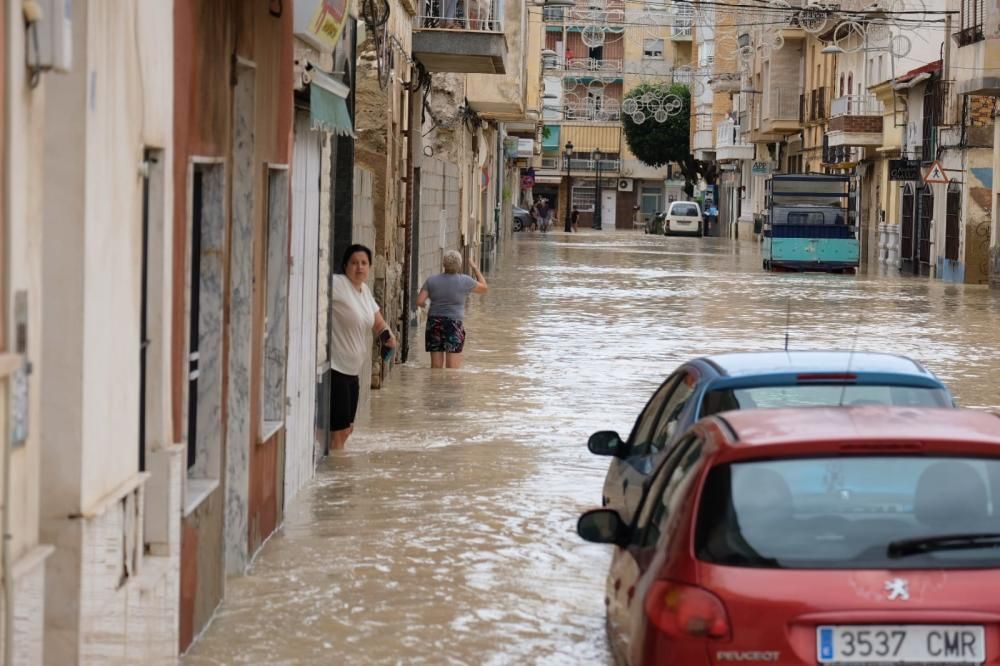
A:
(468, 15)
(609, 65)
(591, 165)
(605, 114)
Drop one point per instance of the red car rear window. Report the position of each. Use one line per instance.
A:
(858, 512)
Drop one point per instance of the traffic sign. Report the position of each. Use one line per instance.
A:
(936, 175)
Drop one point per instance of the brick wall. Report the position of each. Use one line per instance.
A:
(865, 124)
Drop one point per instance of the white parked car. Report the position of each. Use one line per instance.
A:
(683, 217)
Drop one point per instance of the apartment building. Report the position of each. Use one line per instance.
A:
(585, 162)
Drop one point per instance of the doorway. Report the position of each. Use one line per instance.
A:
(609, 203)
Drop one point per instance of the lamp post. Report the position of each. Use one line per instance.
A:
(569, 185)
(597, 191)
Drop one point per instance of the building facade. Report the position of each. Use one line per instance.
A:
(585, 82)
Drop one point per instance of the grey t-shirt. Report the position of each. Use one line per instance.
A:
(448, 292)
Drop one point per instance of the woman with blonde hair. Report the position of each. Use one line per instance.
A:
(445, 334)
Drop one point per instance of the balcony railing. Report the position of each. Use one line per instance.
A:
(681, 30)
(703, 122)
(856, 105)
(728, 134)
(609, 112)
(580, 164)
(591, 165)
(840, 154)
(781, 104)
(607, 65)
(468, 15)
(460, 36)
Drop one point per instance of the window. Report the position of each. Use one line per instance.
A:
(813, 395)
(664, 501)
(953, 221)
(584, 197)
(206, 277)
(925, 204)
(646, 423)
(651, 200)
(666, 426)
(849, 512)
(652, 48)
(276, 296)
(906, 229)
(973, 13)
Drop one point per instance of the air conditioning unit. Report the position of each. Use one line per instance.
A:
(625, 184)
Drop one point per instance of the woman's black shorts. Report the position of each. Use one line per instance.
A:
(344, 390)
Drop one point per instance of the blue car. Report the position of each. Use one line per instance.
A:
(754, 380)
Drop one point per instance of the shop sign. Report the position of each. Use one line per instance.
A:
(320, 23)
(903, 170)
(527, 179)
(762, 167)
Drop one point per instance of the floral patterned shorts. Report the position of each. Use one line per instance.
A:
(444, 334)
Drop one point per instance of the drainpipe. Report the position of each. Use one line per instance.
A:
(7, 568)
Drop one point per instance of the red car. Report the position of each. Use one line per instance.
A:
(866, 535)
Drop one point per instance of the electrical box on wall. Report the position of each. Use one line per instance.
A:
(55, 35)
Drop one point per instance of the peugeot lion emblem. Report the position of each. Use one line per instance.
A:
(897, 590)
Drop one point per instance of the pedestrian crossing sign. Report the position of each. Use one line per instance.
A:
(936, 174)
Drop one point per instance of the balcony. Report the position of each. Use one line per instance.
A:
(976, 57)
(779, 112)
(729, 144)
(607, 166)
(591, 66)
(855, 120)
(608, 112)
(703, 139)
(682, 24)
(472, 42)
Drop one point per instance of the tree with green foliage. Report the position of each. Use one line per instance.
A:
(658, 143)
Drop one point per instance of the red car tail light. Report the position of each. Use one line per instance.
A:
(686, 610)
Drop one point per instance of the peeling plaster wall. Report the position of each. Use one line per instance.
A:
(107, 599)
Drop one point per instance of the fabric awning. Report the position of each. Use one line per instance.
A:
(551, 141)
(329, 111)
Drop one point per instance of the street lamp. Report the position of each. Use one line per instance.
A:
(597, 191)
(569, 185)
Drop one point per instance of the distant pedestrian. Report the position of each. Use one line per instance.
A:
(355, 313)
(445, 334)
(544, 215)
(574, 218)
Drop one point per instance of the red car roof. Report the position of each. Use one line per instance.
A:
(761, 427)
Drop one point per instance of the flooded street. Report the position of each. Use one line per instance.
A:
(445, 533)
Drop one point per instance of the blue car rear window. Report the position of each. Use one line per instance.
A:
(829, 395)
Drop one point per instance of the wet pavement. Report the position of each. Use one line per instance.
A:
(445, 533)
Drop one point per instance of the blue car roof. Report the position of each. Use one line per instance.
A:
(753, 369)
(781, 362)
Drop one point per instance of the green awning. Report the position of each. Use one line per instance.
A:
(550, 142)
(329, 112)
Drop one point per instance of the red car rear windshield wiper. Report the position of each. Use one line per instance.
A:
(928, 544)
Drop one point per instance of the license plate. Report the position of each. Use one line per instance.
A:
(901, 644)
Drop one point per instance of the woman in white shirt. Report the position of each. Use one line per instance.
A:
(355, 313)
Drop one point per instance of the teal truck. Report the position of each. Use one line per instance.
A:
(809, 224)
